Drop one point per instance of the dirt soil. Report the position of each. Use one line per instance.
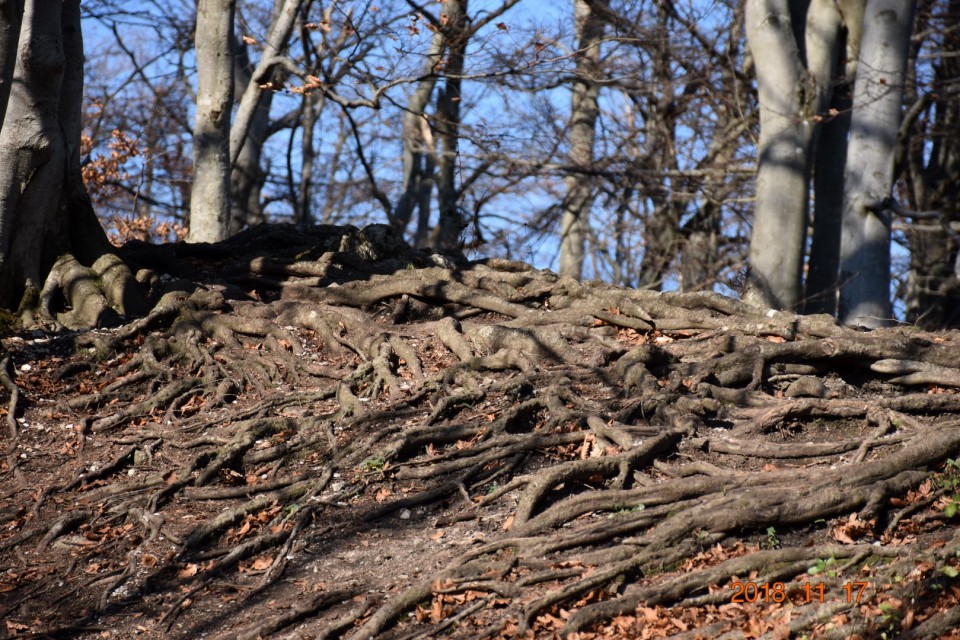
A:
(320, 432)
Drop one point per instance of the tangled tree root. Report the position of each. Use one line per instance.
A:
(591, 454)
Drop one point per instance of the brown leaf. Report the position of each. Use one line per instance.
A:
(262, 563)
(188, 571)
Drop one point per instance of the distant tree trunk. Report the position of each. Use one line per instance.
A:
(312, 105)
(584, 110)
(793, 55)
(251, 126)
(933, 164)
(831, 158)
(877, 98)
(210, 197)
(417, 165)
(247, 176)
(446, 235)
(50, 239)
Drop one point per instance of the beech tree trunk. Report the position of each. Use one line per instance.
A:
(794, 47)
(877, 98)
(32, 147)
(50, 239)
(210, 197)
(584, 110)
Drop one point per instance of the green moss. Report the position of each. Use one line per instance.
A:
(29, 301)
(9, 322)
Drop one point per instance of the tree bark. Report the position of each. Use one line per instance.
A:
(792, 53)
(584, 111)
(417, 161)
(32, 149)
(46, 218)
(446, 235)
(247, 175)
(877, 97)
(830, 159)
(278, 37)
(210, 197)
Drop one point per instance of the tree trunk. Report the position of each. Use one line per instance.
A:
(210, 197)
(830, 159)
(417, 165)
(877, 97)
(48, 229)
(584, 110)
(792, 55)
(278, 36)
(312, 105)
(247, 175)
(32, 152)
(446, 235)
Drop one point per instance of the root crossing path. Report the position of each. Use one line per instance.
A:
(322, 433)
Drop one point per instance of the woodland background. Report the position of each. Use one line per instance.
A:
(481, 127)
(310, 428)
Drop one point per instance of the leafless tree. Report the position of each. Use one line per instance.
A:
(869, 174)
(930, 160)
(793, 43)
(210, 198)
(50, 240)
(584, 110)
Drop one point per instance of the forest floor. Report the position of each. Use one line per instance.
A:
(322, 433)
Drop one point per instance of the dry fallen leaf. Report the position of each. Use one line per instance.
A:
(188, 571)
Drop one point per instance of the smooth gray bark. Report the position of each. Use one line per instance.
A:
(32, 149)
(312, 105)
(210, 197)
(877, 98)
(792, 42)
(584, 111)
(46, 218)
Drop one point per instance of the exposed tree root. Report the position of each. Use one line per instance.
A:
(585, 455)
